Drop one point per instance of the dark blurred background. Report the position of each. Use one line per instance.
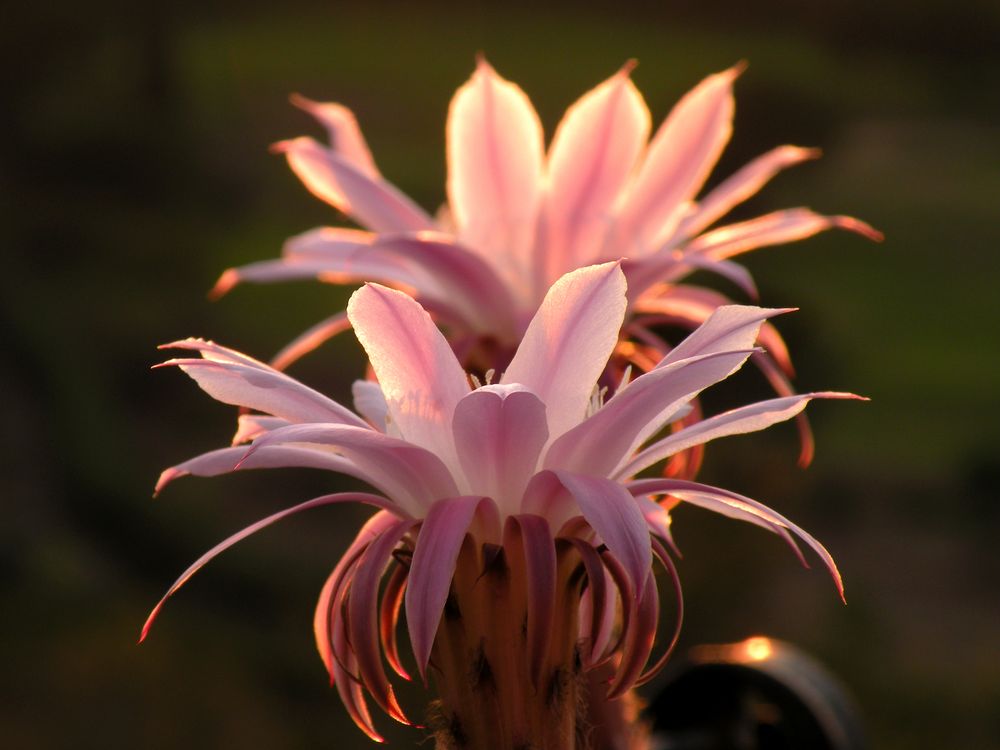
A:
(135, 168)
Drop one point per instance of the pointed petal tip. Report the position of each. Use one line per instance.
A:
(857, 226)
(303, 102)
(229, 278)
(736, 70)
(627, 67)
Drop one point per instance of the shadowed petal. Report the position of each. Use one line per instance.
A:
(536, 541)
(639, 639)
(371, 201)
(369, 402)
(494, 168)
(593, 153)
(704, 495)
(499, 435)
(680, 157)
(415, 366)
(362, 615)
(342, 497)
(250, 426)
(568, 342)
(434, 558)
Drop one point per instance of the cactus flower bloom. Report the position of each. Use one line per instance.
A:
(512, 528)
(518, 218)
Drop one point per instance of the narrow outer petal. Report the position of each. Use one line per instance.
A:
(372, 202)
(739, 421)
(438, 544)
(569, 341)
(690, 491)
(345, 135)
(342, 497)
(538, 546)
(420, 377)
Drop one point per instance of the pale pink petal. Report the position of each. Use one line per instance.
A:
(613, 513)
(409, 474)
(250, 426)
(739, 421)
(363, 619)
(495, 164)
(734, 272)
(369, 402)
(658, 520)
(234, 378)
(569, 341)
(702, 495)
(342, 497)
(431, 571)
(742, 185)
(690, 306)
(372, 202)
(727, 328)
(593, 154)
(499, 435)
(345, 135)
(536, 541)
(609, 436)
(227, 460)
(680, 157)
(415, 366)
(775, 228)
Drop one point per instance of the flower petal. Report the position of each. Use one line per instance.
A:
(739, 421)
(363, 619)
(499, 436)
(639, 639)
(369, 402)
(535, 538)
(226, 460)
(341, 497)
(495, 167)
(372, 528)
(680, 157)
(438, 544)
(407, 473)
(310, 340)
(613, 513)
(345, 136)
(415, 366)
(600, 443)
(250, 426)
(372, 202)
(593, 153)
(742, 185)
(568, 342)
(234, 378)
(706, 496)
(774, 228)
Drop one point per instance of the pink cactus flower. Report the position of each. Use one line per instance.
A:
(529, 483)
(518, 218)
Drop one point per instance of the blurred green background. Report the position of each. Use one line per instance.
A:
(134, 169)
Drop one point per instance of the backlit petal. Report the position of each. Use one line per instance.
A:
(568, 342)
(415, 366)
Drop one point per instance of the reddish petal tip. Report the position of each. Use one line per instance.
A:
(302, 102)
(627, 68)
(737, 70)
(229, 278)
(859, 227)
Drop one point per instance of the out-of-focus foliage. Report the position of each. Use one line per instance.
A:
(133, 168)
